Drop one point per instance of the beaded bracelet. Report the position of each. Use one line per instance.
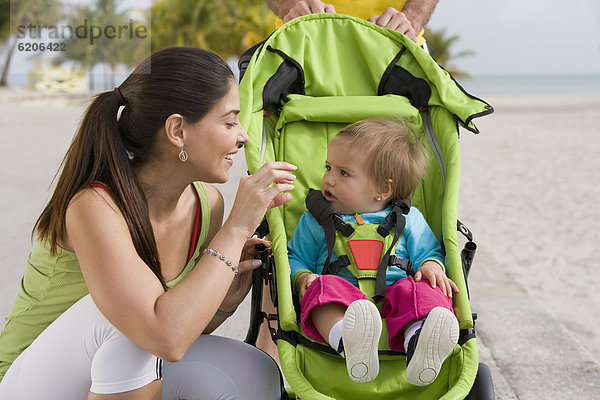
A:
(223, 258)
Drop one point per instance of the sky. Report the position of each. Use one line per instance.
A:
(524, 37)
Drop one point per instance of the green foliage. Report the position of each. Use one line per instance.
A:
(24, 12)
(227, 27)
(4, 19)
(440, 47)
(114, 51)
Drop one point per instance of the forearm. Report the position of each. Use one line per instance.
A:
(418, 12)
(188, 309)
(214, 324)
(281, 7)
(226, 307)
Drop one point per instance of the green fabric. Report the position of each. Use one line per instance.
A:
(304, 369)
(361, 232)
(342, 88)
(53, 283)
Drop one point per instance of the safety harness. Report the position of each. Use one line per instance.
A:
(359, 246)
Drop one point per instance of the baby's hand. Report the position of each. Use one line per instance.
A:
(433, 272)
(303, 281)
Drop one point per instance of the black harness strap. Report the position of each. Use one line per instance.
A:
(329, 219)
(395, 219)
(404, 265)
(341, 262)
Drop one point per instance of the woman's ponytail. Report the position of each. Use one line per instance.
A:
(177, 80)
(98, 155)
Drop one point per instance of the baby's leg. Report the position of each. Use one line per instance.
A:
(408, 301)
(329, 296)
(335, 309)
(420, 319)
(327, 316)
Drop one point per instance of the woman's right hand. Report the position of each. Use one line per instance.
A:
(259, 192)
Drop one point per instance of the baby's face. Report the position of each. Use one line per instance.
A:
(346, 184)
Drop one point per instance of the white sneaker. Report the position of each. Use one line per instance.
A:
(430, 346)
(360, 335)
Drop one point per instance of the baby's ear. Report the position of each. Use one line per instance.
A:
(387, 190)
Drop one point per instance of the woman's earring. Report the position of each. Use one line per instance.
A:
(183, 155)
(378, 198)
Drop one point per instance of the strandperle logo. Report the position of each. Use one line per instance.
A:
(86, 30)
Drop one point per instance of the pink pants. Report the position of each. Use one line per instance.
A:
(405, 301)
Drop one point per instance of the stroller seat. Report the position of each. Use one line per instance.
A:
(310, 78)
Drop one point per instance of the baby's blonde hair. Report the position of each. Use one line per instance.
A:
(395, 150)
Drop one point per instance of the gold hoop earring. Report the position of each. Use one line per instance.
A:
(183, 155)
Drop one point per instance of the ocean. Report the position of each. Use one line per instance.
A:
(569, 85)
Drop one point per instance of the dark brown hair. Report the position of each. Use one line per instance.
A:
(177, 80)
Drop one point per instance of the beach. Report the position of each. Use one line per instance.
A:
(529, 185)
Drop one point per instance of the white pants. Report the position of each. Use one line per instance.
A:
(81, 352)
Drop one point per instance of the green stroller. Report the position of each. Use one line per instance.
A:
(310, 78)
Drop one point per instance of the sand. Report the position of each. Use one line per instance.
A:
(529, 189)
(529, 192)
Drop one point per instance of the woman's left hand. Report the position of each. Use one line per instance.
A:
(241, 284)
(433, 272)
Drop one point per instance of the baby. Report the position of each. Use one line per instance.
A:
(370, 165)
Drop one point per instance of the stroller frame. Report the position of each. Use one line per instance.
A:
(412, 82)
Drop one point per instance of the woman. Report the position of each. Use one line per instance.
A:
(131, 222)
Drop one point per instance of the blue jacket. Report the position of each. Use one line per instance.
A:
(307, 251)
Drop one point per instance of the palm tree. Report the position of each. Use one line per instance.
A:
(88, 53)
(227, 27)
(440, 48)
(23, 13)
(4, 20)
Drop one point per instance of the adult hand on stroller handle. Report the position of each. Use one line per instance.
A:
(308, 7)
(396, 20)
(241, 284)
(259, 192)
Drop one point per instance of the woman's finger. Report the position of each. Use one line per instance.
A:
(279, 200)
(275, 176)
(278, 194)
(248, 265)
(273, 172)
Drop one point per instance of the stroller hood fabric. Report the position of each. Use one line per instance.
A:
(311, 77)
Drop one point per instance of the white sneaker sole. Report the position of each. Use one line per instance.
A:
(438, 337)
(360, 333)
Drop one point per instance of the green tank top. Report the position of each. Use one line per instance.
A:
(53, 283)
